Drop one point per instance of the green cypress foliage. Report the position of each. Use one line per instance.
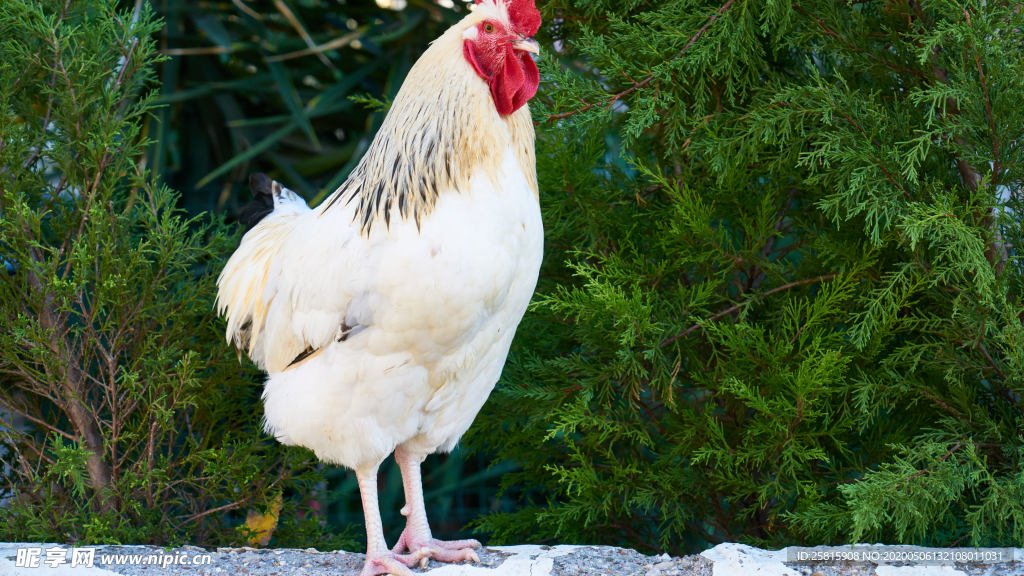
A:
(781, 301)
(126, 417)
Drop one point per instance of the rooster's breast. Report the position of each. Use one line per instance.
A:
(452, 293)
(433, 324)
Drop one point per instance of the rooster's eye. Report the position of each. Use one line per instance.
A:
(489, 28)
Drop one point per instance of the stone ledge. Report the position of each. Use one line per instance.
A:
(526, 560)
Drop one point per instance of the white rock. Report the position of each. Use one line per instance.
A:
(742, 560)
(527, 560)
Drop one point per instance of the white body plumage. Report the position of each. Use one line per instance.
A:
(431, 314)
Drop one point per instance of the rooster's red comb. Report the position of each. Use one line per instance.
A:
(524, 15)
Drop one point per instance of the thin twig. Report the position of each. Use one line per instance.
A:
(955, 447)
(879, 162)
(247, 10)
(49, 427)
(947, 408)
(651, 76)
(46, 122)
(958, 540)
(732, 309)
(333, 44)
(231, 506)
(832, 33)
(287, 13)
(196, 51)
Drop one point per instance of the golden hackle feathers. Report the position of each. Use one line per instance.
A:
(441, 127)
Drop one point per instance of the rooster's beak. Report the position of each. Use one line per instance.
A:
(527, 45)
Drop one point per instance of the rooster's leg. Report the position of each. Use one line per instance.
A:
(379, 560)
(416, 535)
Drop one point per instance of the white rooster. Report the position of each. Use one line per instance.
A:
(384, 316)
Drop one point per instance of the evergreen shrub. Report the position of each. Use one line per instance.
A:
(127, 418)
(781, 300)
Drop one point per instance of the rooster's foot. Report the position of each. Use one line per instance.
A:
(454, 551)
(395, 564)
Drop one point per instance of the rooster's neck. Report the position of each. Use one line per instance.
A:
(441, 128)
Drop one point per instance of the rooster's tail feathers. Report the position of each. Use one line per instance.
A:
(268, 219)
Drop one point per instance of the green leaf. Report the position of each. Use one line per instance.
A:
(291, 100)
(258, 148)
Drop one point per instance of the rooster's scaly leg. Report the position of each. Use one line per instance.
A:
(416, 535)
(379, 560)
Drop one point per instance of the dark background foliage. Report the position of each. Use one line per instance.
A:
(245, 91)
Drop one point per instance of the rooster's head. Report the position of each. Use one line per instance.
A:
(498, 44)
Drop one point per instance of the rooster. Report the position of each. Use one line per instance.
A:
(383, 317)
